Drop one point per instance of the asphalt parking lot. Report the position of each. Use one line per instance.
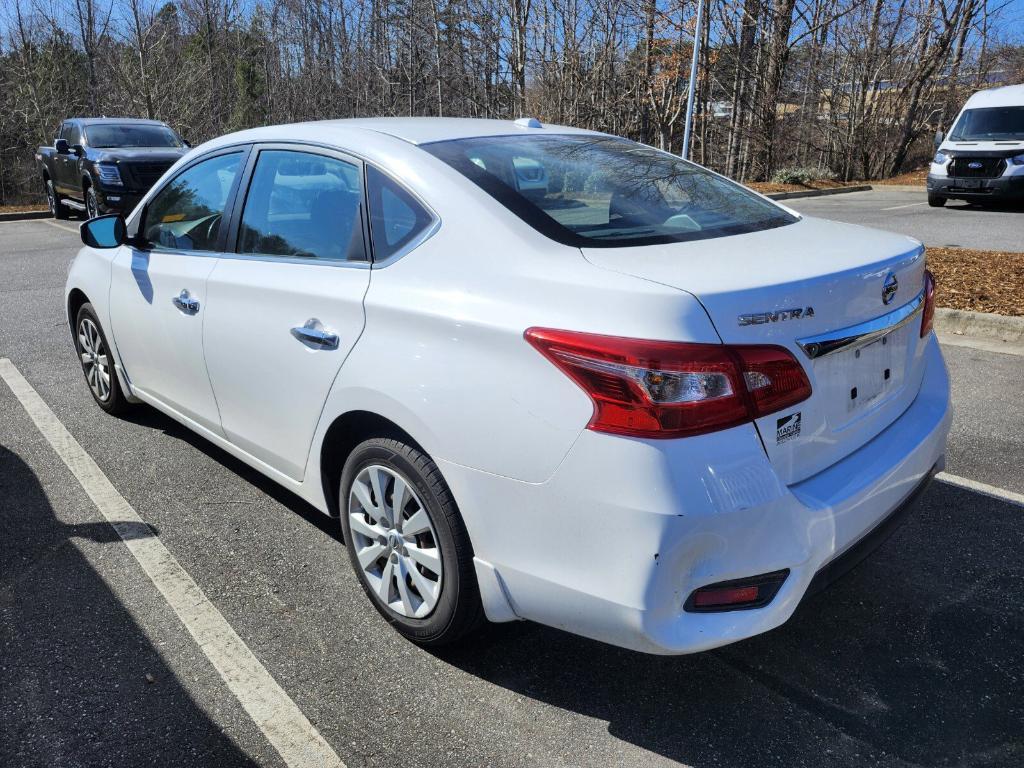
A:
(915, 659)
(906, 210)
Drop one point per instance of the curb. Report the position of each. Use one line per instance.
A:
(903, 187)
(818, 192)
(962, 322)
(25, 215)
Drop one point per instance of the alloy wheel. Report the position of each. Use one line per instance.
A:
(95, 361)
(91, 208)
(51, 198)
(395, 542)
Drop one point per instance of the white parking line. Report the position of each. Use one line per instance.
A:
(275, 714)
(52, 223)
(985, 489)
(897, 207)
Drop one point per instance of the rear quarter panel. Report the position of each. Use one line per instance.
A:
(443, 354)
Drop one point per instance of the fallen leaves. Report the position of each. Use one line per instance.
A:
(981, 281)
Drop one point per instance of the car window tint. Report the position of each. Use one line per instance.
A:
(600, 191)
(304, 206)
(186, 214)
(74, 134)
(396, 218)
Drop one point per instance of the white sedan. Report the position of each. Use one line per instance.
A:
(537, 372)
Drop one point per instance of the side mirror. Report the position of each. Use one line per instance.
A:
(61, 145)
(78, 150)
(104, 231)
(187, 143)
(939, 138)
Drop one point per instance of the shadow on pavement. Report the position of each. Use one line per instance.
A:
(995, 206)
(73, 662)
(916, 656)
(154, 419)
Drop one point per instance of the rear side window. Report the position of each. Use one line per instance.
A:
(600, 191)
(396, 218)
(186, 214)
(304, 206)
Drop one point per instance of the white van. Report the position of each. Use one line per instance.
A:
(982, 158)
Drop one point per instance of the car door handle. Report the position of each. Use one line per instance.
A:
(314, 335)
(186, 303)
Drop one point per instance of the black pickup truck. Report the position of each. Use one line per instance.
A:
(105, 165)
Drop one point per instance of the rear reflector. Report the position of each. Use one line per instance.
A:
(669, 389)
(707, 598)
(738, 594)
(928, 315)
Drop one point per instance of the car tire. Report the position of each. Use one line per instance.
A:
(96, 358)
(440, 603)
(92, 207)
(936, 201)
(55, 201)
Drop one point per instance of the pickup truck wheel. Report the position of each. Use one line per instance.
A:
(55, 201)
(92, 208)
(936, 201)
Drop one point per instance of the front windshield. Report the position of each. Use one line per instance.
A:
(108, 136)
(600, 191)
(990, 124)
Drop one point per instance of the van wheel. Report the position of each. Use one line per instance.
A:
(55, 202)
(936, 201)
(407, 542)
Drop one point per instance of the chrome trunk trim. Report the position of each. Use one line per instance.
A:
(862, 334)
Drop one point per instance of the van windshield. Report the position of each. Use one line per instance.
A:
(600, 191)
(990, 124)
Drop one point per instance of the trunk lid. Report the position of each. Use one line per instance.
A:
(790, 284)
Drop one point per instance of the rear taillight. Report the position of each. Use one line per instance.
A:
(928, 315)
(672, 389)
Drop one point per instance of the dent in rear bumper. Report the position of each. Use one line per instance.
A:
(614, 542)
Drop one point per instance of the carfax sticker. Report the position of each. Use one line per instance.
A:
(787, 428)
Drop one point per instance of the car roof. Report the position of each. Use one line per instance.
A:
(425, 130)
(1005, 96)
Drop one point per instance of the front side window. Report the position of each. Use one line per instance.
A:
(600, 191)
(74, 134)
(990, 124)
(108, 135)
(304, 206)
(187, 213)
(396, 218)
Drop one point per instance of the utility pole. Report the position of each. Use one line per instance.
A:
(688, 128)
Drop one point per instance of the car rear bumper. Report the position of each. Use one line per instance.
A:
(613, 544)
(1002, 188)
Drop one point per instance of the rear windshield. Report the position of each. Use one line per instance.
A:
(109, 136)
(990, 124)
(597, 191)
